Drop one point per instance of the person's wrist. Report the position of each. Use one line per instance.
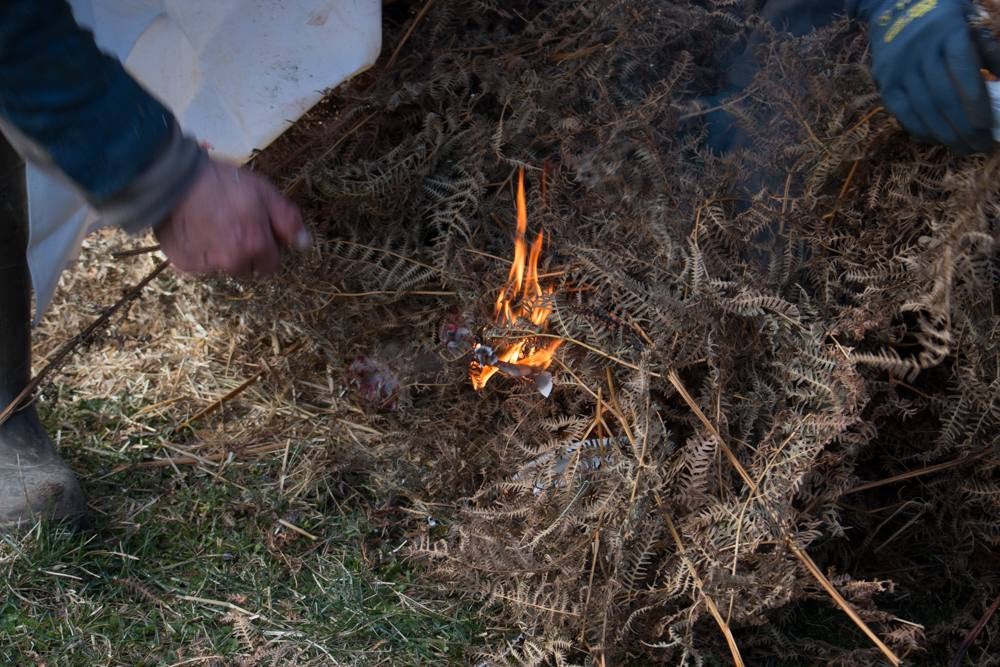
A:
(183, 190)
(149, 199)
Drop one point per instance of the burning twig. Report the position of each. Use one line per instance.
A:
(521, 301)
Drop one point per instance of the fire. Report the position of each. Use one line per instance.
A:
(523, 303)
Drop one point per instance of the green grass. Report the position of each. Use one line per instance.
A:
(189, 566)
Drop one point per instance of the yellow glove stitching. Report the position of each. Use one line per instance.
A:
(909, 16)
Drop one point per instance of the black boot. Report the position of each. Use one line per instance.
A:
(34, 481)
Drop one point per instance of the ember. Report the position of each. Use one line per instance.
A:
(522, 304)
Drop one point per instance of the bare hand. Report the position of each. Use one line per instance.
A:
(231, 221)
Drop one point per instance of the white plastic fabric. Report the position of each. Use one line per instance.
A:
(236, 73)
(993, 87)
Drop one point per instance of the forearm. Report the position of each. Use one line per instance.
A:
(71, 108)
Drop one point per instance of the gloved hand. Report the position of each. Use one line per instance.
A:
(231, 221)
(927, 66)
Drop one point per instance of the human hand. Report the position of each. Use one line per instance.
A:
(927, 67)
(231, 221)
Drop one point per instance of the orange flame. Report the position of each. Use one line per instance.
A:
(521, 298)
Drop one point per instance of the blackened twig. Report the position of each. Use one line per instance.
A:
(134, 252)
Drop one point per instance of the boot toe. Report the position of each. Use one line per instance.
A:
(33, 491)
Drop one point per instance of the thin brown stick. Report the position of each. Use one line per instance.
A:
(735, 462)
(76, 341)
(746, 506)
(560, 58)
(843, 190)
(595, 547)
(844, 605)
(134, 252)
(864, 119)
(849, 180)
(196, 659)
(301, 531)
(970, 638)
(615, 409)
(207, 458)
(186, 453)
(220, 603)
(409, 31)
(724, 105)
(537, 606)
(734, 649)
(797, 551)
(222, 400)
(585, 346)
(243, 386)
(912, 474)
(473, 251)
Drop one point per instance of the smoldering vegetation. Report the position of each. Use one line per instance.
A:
(782, 353)
(776, 405)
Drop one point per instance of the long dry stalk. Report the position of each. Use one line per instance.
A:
(734, 649)
(798, 552)
(60, 357)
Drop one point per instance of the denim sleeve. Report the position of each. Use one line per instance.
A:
(81, 110)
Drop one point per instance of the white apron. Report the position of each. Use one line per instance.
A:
(236, 73)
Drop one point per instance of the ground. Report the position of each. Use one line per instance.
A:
(200, 564)
(771, 436)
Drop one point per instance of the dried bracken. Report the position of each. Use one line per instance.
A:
(775, 359)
